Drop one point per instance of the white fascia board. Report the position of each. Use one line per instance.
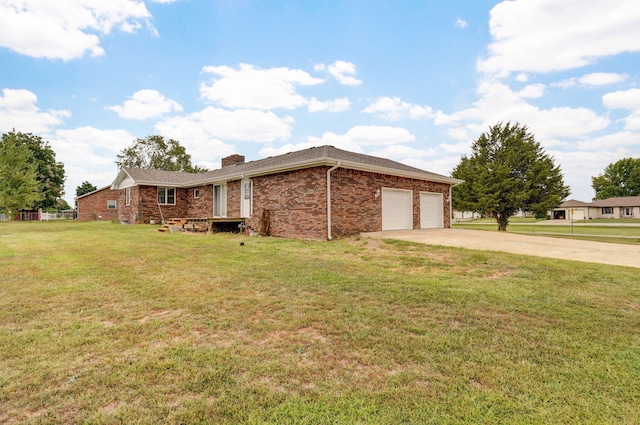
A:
(120, 178)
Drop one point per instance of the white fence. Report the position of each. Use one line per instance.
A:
(58, 215)
(41, 216)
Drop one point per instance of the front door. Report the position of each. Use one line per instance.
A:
(246, 195)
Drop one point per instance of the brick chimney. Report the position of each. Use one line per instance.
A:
(232, 160)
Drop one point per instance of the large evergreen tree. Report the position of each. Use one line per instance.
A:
(19, 187)
(508, 171)
(157, 153)
(621, 178)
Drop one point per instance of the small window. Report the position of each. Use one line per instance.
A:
(127, 196)
(607, 210)
(196, 193)
(167, 195)
(111, 205)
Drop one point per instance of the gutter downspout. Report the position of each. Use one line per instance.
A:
(451, 217)
(329, 199)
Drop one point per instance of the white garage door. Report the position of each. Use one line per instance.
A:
(397, 209)
(578, 214)
(431, 210)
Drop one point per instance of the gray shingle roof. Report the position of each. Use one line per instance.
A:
(316, 156)
(572, 203)
(625, 201)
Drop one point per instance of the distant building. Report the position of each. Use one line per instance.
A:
(625, 207)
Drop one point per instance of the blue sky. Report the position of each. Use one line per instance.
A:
(414, 81)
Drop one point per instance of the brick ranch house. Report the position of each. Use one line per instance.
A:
(317, 193)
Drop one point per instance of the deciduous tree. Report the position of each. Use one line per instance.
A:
(622, 178)
(19, 188)
(85, 187)
(157, 153)
(508, 171)
(49, 172)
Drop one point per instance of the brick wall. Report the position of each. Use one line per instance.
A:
(356, 209)
(94, 206)
(145, 205)
(202, 206)
(129, 213)
(296, 201)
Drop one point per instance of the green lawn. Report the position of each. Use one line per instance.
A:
(112, 324)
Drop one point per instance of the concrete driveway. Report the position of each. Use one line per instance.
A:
(540, 246)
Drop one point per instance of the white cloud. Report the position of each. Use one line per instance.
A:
(145, 104)
(592, 80)
(404, 153)
(88, 154)
(459, 148)
(610, 142)
(522, 77)
(624, 99)
(238, 125)
(248, 87)
(548, 35)
(460, 23)
(532, 91)
(66, 29)
(498, 103)
(602, 78)
(579, 166)
(18, 111)
(336, 105)
(394, 109)
(289, 147)
(343, 72)
(566, 83)
(359, 136)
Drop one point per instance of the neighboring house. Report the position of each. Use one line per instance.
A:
(625, 207)
(316, 193)
(101, 204)
(570, 210)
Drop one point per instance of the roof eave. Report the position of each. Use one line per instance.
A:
(329, 161)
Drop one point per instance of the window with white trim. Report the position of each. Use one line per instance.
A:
(196, 193)
(127, 196)
(607, 210)
(167, 195)
(111, 205)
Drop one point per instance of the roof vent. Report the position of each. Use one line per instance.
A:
(234, 159)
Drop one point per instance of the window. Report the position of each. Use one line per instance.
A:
(111, 205)
(607, 210)
(127, 196)
(167, 195)
(196, 193)
(220, 200)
